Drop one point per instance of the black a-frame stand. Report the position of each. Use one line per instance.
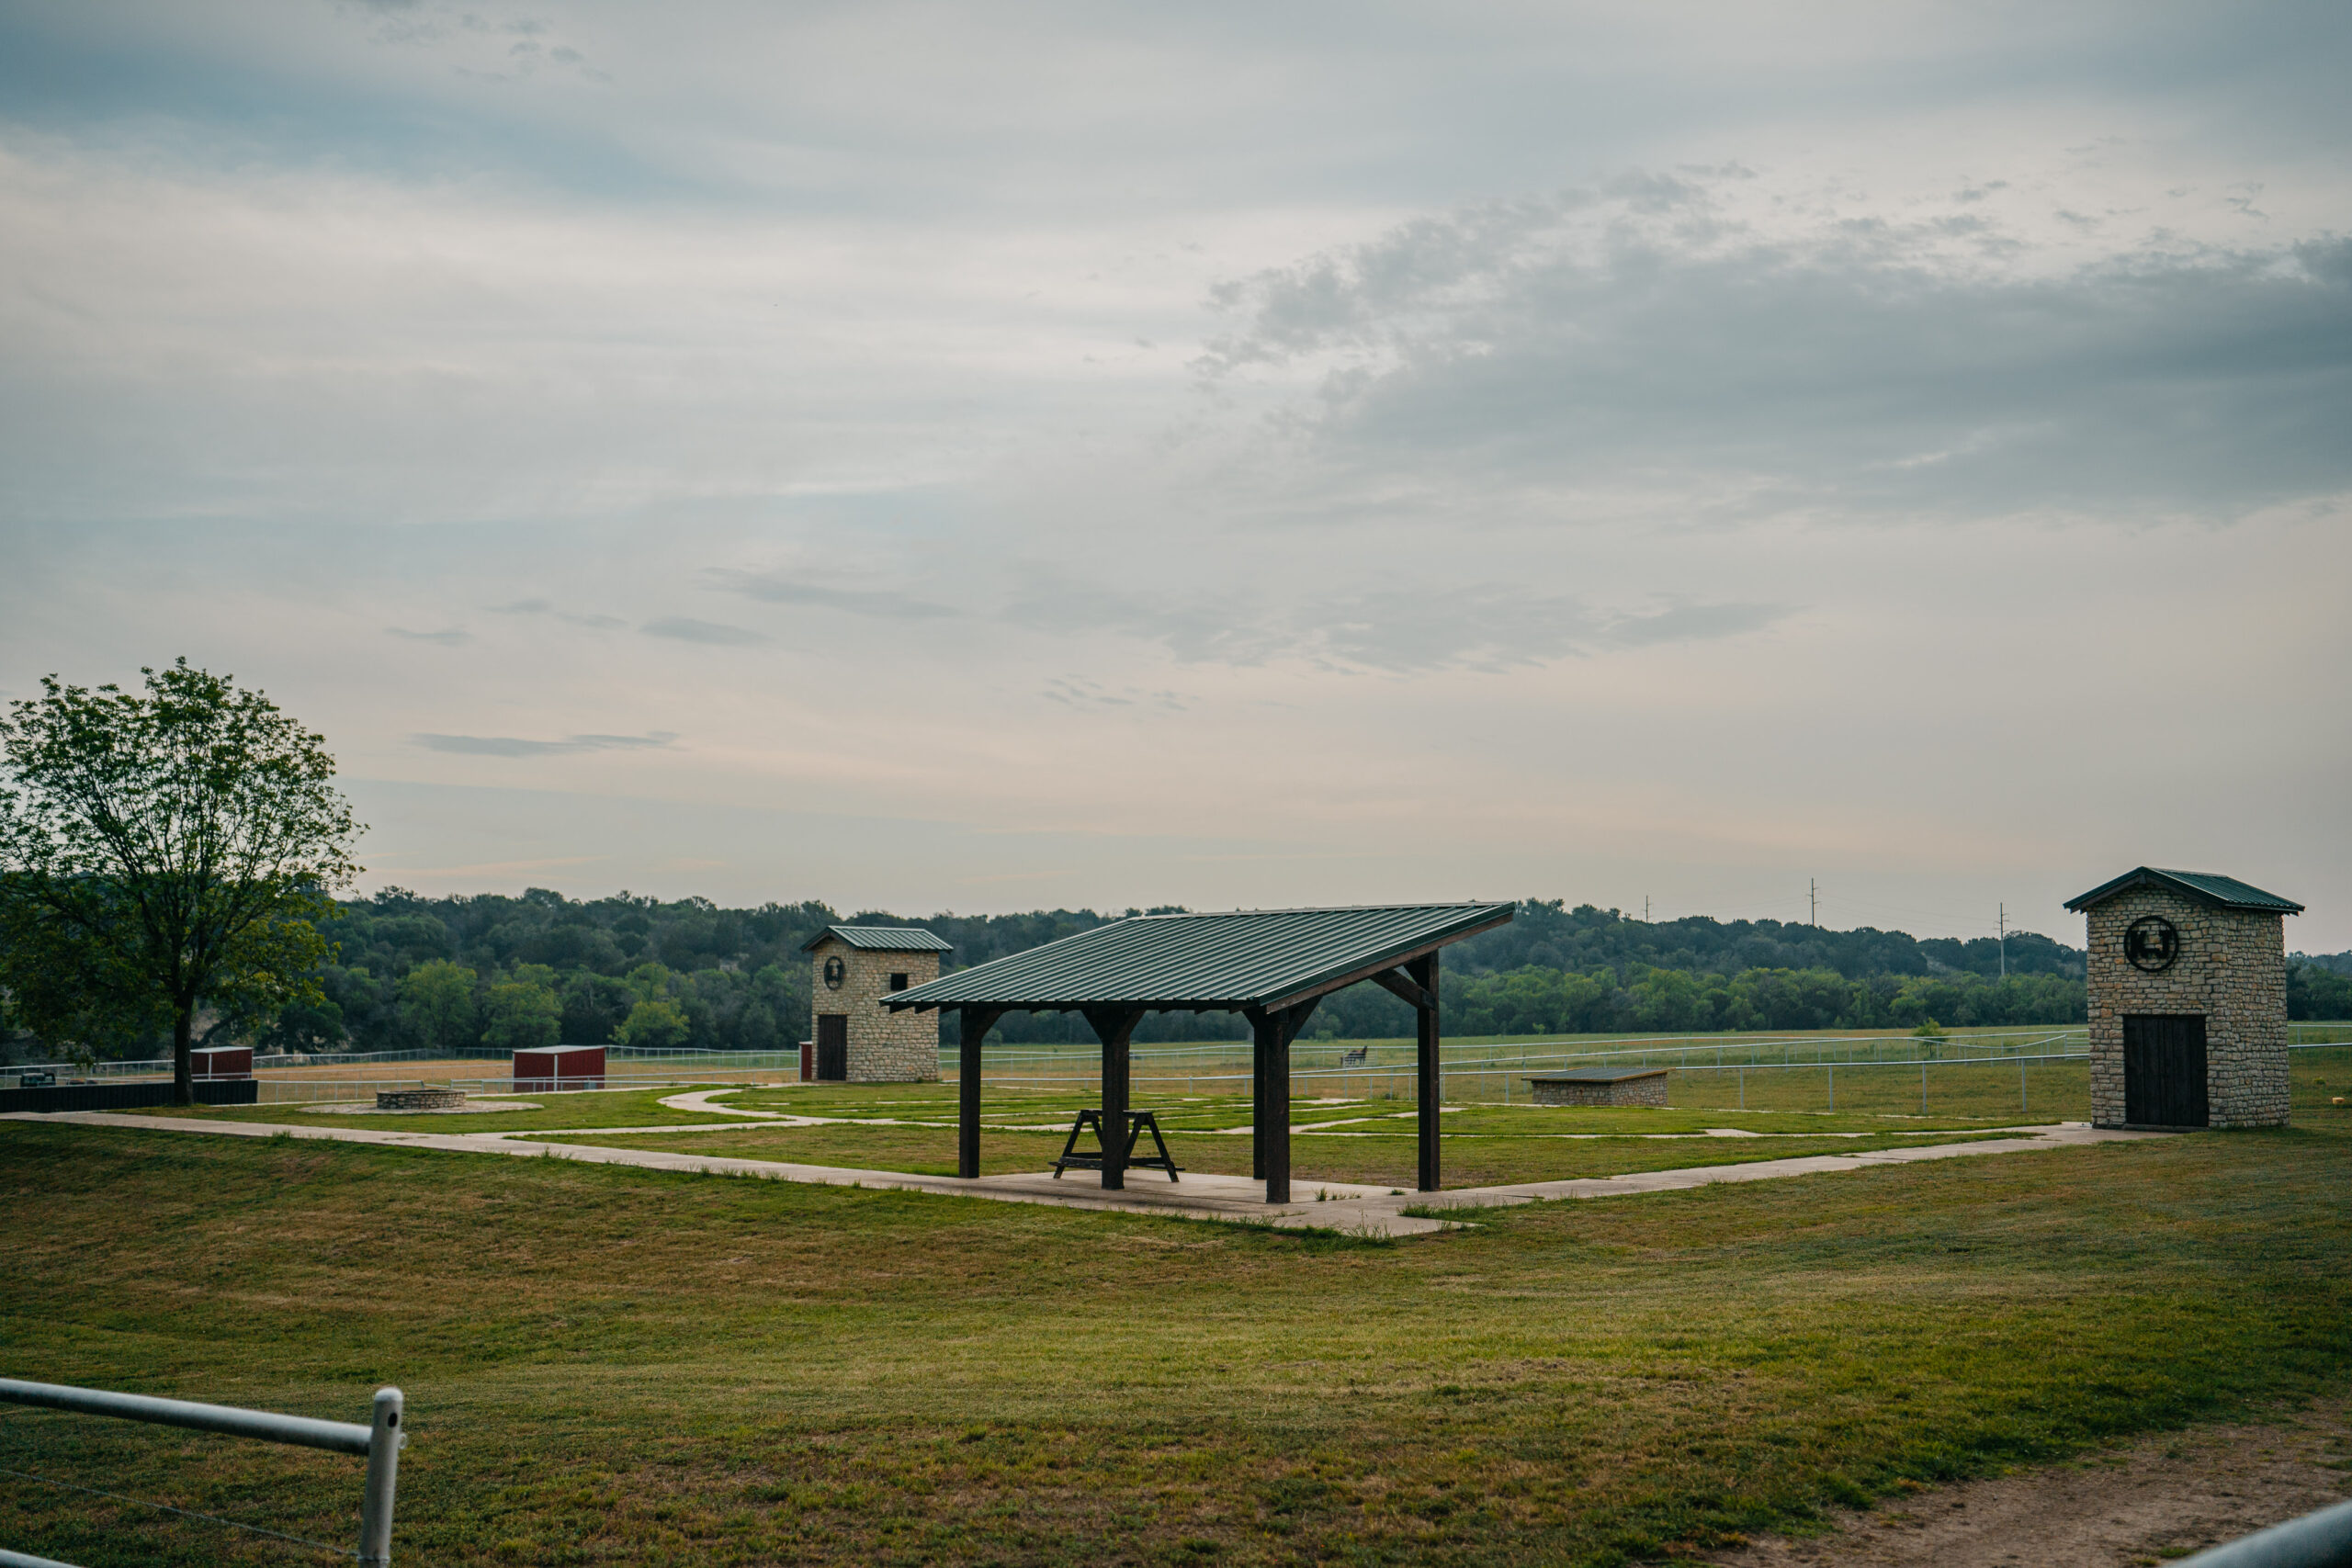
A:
(1138, 1123)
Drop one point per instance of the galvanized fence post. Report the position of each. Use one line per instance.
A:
(384, 1439)
(380, 1441)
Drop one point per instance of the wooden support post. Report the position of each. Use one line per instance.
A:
(1423, 972)
(974, 1027)
(1272, 1034)
(1277, 1112)
(1261, 1032)
(1113, 1026)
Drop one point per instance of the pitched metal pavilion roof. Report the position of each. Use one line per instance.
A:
(1234, 959)
(2224, 892)
(882, 938)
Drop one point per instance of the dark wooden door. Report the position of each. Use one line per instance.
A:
(832, 1047)
(2164, 1069)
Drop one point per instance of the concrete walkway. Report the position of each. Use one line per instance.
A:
(1373, 1211)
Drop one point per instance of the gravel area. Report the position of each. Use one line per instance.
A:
(2148, 1502)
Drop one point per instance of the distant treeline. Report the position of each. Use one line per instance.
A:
(489, 969)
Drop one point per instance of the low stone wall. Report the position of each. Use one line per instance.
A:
(419, 1098)
(1649, 1090)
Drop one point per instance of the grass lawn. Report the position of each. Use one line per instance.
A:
(1369, 1143)
(607, 1365)
(593, 1108)
(911, 1127)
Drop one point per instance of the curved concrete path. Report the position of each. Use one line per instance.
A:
(1335, 1205)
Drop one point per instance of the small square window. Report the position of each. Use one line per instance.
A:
(898, 982)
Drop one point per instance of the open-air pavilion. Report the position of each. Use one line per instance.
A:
(1271, 966)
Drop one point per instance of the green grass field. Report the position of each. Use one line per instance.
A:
(910, 1127)
(606, 1365)
(1481, 1161)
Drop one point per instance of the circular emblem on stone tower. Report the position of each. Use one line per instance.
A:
(836, 971)
(2151, 942)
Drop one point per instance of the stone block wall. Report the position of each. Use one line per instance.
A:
(884, 1047)
(1646, 1091)
(2231, 968)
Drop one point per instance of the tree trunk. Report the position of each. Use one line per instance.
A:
(183, 1070)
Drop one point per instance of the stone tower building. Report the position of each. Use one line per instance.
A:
(2188, 980)
(851, 969)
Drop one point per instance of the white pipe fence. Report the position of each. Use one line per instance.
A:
(1643, 1050)
(1472, 1072)
(1489, 1081)
(2321, 1539)
(379, 1441)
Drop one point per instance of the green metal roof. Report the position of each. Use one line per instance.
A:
(2224, 892)
(1240, 958)
(882, 938)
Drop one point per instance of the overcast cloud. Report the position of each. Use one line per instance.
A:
(921, 456)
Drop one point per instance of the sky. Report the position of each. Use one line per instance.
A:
(1701, 458)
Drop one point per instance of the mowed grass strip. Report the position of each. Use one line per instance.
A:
(1386, 1160)
(581, 1107)
(608, 1365)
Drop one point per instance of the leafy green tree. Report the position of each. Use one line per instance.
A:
(523, 1015)
(437, 1004)
(305, 1026)
(163, 851)
(1668, 1000)
(2316, 993)
(593, 1006)
(650, 981)
(656, 1023)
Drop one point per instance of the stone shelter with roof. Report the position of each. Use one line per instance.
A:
(2187, 983)
(852, 971)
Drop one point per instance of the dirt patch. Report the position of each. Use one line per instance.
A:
(2149, 1501)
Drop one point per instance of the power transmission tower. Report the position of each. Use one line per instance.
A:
(1813, 897)
(2004, 942)
(1646, 908)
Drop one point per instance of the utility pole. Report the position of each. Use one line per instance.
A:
(2004, 942)
(1812, 899)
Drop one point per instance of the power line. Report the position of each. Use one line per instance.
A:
(1976, 920)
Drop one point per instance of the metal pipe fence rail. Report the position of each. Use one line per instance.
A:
(315, 1091)
(379, 1442)
(1491, 1082)
(1601, 1051)
(1607, 1052)
(161, 1066)
(2321, 1539)
(1490, 1069)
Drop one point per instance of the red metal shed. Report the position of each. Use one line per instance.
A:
(221, 1062)
(558, 1068)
